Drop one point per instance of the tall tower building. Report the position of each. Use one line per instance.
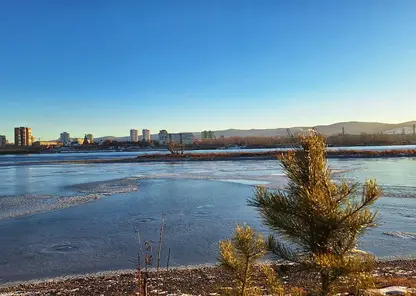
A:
(90, 138)
(163, 137)
(64, 138)
(146, 135)
(134, 135)
(23, 136)
(3, 141)
(29, 137)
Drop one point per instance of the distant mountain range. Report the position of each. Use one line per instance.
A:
(351, 127)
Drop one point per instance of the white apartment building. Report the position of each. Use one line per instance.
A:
(3, 141)
(163, 137)
(64, 138)
(90, 138)
(146, 135)
(134, 135)
(23, 136)
(182, 138)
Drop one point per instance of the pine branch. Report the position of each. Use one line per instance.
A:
(281, 250)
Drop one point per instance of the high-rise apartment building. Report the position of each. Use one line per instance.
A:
(64, 138)
(187, 138)
(3, 141)
(134, 135)
(146, 135)
(22, 136)
(90, 138)
(182, 138)
(207, 135)
(163, 137)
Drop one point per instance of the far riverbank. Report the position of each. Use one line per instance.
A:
(222, 156)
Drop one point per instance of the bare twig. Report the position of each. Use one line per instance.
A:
(159, 250)
(148, 260)
(167, 263)
(139, 267)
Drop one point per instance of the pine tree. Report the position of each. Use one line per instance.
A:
(320, 217)
(239, 256)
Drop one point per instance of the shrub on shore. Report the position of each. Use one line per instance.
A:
(240, 256)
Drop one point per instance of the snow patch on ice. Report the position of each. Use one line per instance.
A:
(17, 206)
(400, 234)
(22, 205)
(244, 181)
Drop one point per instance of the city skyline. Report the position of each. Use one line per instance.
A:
(336, 128)
(189, 66)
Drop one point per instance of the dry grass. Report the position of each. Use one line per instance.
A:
(396, 281)
(276, 154)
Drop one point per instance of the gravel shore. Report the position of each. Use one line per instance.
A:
(197, 280)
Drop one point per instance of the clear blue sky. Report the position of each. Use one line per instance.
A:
(104, 67)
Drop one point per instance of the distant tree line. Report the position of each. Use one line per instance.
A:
(264, 142)
(371, 139)
(285, 141)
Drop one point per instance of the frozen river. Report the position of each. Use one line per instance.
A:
(67, 219)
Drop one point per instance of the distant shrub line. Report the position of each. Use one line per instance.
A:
(278, 154)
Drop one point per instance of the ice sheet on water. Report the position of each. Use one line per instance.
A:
(14, 206)
(400, 234)
(108, 187)
(204, 206)
(276, 181)
(22, 205)
(245, 182)
(399, 191)
(17, 206)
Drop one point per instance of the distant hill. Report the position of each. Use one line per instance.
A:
(112, 138)
(351, 127)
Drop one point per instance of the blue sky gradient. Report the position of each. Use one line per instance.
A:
(104, 67)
